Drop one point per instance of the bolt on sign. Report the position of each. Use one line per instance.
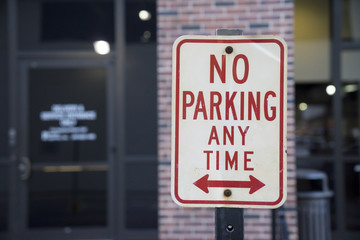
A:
(229, 121)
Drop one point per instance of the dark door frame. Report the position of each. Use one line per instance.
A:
(18, 226)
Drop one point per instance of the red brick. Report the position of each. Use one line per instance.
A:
(190, 223)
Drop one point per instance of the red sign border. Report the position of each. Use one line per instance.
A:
(177, 110)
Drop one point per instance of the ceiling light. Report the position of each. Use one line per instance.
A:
(351, 88)
(101, 47)
(303, 106)
(144, 15)
(330, 90)
(146, 36)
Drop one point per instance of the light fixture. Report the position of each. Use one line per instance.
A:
(101, 47)
(330, 90)
(303, 106)
(144, 15)
(146, 36)
(351, 88)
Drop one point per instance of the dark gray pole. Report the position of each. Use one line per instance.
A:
(229, 222)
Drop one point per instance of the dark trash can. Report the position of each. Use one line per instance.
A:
(313, 205)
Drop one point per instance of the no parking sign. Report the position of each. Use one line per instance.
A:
(229, 121)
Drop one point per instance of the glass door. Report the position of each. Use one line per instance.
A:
(64, 160)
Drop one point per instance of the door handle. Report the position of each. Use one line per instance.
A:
(25, 168)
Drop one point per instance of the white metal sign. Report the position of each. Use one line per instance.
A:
(229, 121)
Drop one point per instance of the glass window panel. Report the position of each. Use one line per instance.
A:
(314, 123)
(4, 183)
(79, 21)
(63, 24)
(140, 21)
(141, 108)
(350, 70)
(67, 199)
(141, 195)
(141, 88)
(351, 131)
(67, 115)
(312, 34)
(352, 188)
(350, 74)
(351, 20)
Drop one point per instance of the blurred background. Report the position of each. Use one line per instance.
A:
(78, 127)
(79, 111)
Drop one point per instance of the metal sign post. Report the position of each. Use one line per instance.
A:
(229, 222)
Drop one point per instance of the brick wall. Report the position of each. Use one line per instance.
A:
(202, 17)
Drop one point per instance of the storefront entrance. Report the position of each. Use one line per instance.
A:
(63, 182)
(78, 132)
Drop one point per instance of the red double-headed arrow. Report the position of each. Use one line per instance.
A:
(204, 183)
